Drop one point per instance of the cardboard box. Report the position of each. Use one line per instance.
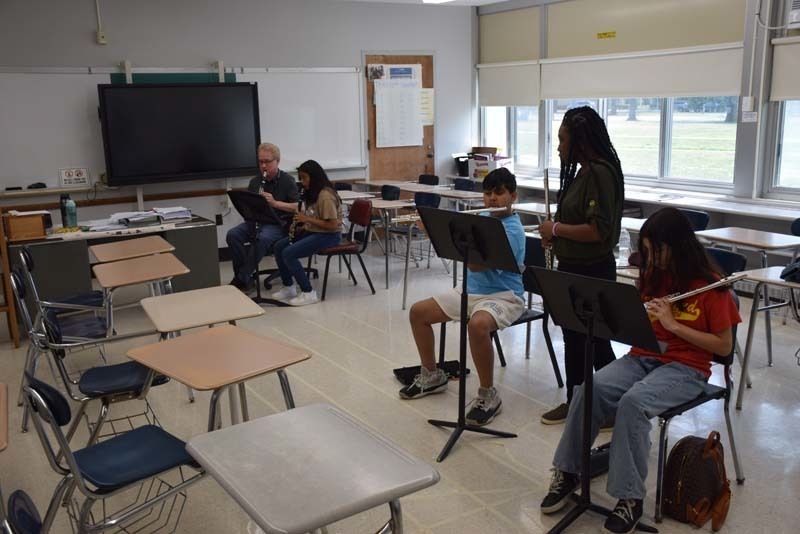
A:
(25, 227)
(478, 169)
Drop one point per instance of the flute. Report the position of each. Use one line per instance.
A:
(548, 251)
(728, 280)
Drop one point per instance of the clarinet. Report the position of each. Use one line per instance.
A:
(293, 226)
(548, 251)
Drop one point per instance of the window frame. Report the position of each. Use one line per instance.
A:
(546, 111)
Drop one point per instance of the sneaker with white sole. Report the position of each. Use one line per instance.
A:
(562, 486)
(557, 415)
(286, 292)
(624, 518)
(425, 383)
(304, 299)
(484, 407)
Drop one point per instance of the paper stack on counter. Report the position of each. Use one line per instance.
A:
(169, 214)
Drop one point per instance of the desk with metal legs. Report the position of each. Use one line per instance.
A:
(217, 358)
(761, 241)
(300, 470)
(762, 278)
(156, 270)
(200, 307)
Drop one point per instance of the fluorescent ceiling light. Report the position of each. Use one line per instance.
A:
(435, 1)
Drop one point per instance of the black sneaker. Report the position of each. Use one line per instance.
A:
(484, 407)
(425, 383)
(624, 518)
(557, 415)
(562, 486)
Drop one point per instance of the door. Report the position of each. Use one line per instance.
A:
(402, 163)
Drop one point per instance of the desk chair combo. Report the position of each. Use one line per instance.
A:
(147, 462)
(82, 332)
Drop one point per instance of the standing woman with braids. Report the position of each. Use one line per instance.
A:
(586, 226)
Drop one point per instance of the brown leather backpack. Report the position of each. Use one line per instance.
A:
(696, 487)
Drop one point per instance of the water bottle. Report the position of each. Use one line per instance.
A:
(624, 246)
(71, 214)
(62, 206)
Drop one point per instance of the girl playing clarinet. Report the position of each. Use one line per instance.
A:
(315, 229)
(641, 384)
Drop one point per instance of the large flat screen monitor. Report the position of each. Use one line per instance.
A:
(165, 132)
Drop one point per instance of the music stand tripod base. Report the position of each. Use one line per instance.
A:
(600, 309)
(467, 238)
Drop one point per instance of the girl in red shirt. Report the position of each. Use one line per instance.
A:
(642, 384)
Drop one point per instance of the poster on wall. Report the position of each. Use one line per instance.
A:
(377, 71)
(398, 121)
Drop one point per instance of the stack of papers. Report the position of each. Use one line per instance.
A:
(134, 217)
(169, 214)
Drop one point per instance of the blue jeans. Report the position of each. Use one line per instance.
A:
(288, 255)
(636, 390)
(246, 261)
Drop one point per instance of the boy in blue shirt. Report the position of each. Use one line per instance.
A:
(495, 301)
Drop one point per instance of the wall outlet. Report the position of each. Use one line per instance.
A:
(101, 37)
(74, 177)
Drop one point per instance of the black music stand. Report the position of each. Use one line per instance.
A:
(599, 309)
(470, 239)
(255, 210)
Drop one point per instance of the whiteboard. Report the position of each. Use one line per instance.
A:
(48, 122)
(311, 114)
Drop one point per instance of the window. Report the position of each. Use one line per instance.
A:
(634, 125)
(559, 108)
(526, 136)
(495, 128)
(515, 133)
(703, 138)
(788, 174)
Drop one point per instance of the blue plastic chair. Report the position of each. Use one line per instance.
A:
(428, 179)
(464, 184)
(105, 469)
(106, 383)
(698, 219)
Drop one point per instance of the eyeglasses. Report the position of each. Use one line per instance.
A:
(266, 161)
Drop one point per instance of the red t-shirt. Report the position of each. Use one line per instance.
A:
(711, 311)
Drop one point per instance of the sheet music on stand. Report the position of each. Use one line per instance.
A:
(398, 121)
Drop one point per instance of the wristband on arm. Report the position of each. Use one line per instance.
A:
(555, 225)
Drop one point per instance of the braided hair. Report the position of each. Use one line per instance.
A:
(588, 141)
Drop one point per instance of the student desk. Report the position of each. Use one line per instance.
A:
(300, 470)
(386, 207)
(762, 277)
(155, 269)
(217, 358)
(460, 197)
(353, 195)
(632, 224)
(758, 240)
(130, 248)
(535, 208)
(200, 307)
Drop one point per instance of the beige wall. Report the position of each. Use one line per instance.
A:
(641, 25)
(510, 36)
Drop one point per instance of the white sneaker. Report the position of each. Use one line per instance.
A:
(287, 292)
(304, 298)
